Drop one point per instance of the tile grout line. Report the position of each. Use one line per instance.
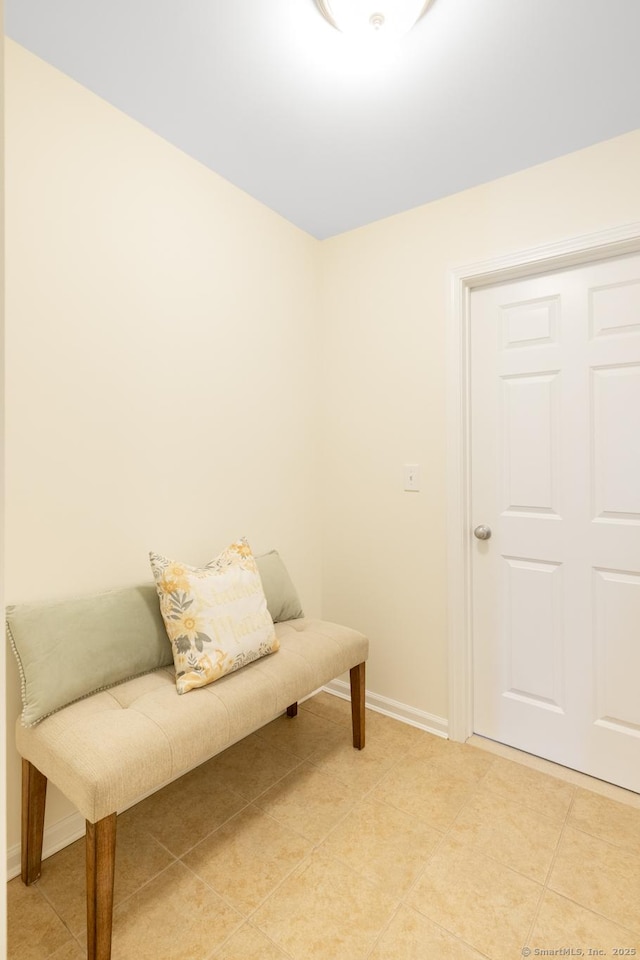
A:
(441, 842)
(316, 845)
(477, 791)
(46, 899)
(514, 869)
(545, 885)
(247, 923)
(614, 846)
(378, 939)
(35, 886)
(246, 918)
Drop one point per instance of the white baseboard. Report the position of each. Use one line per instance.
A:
(71, 828)
(393, 708)
(57, 836)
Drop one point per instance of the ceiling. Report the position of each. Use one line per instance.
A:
(277, 101)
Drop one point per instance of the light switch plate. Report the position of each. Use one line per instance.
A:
(412, 477)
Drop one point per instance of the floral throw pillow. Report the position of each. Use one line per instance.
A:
(216, 616)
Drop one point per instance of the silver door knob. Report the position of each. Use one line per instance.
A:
(482, 532)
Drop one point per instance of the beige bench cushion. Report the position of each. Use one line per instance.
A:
(107, 750)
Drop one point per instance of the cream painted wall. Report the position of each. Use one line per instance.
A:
(3, 685)
(162, 377)
(385, 314)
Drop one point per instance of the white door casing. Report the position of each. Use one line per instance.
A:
(537, 572)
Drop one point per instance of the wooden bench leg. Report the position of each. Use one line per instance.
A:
(356, 676)
(34, 795)
(101, 859)
(292, 711)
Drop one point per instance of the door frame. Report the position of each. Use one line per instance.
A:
(463, 280)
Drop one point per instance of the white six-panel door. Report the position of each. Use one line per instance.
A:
(555, 453)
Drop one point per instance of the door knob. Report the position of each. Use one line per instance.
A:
(482, 532)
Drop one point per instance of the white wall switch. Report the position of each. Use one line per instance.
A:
(412, 476)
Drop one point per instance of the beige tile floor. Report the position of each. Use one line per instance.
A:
(294, 846)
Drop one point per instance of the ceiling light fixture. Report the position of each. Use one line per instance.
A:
(391, 18)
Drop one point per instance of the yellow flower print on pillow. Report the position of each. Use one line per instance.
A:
(216, 617)
(174, 578)
(182, 619)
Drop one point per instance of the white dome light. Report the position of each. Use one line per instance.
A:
(392, 18)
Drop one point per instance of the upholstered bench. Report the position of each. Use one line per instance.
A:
(111, 746)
